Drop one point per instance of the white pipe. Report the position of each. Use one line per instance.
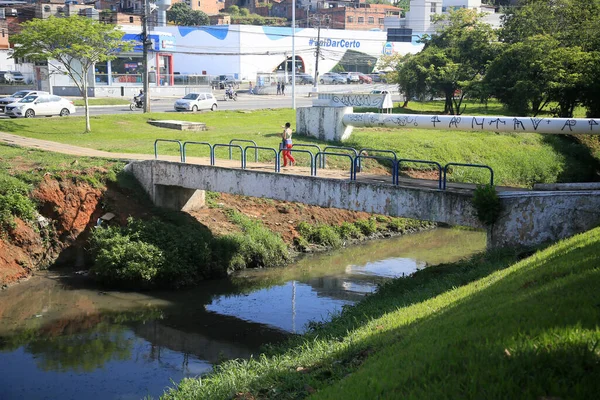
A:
(571, 126)
(293, 54)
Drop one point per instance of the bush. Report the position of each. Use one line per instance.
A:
(349, 231)
(320, 234)
(367, 227)
(487, 204)
(14, 202)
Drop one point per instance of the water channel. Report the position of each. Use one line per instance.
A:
(62, 338)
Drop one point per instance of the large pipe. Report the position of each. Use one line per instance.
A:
(571, 126)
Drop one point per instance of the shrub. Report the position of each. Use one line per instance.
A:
(367, 227)
(349, 231)
(14, 202)
(320, 234)
(487, 204)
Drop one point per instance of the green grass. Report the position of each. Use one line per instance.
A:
(103, 102)
(517, 159)
(491, 327)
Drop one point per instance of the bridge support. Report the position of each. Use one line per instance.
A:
(324, 123)
(179, 198)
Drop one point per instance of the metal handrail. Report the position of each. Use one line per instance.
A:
(374, 150)
(168, 140)
(338, 148)
(230, 147)
(309, 145)
(313, 168)
(256, 148)
(212, 154)
(324, 153)
(468, 165)
(420, 161)
(394, 165)
(244, 141)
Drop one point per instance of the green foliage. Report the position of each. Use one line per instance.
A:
(404, 225)
(75, 42)
(367, 227)
(14, 202)
(255, 247)
(487, 204)
(182, 14)
(321, 234)
(349, 231)
(168, 252)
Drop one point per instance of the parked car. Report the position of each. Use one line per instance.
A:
(331, 78)
(18, 96)
(350, 77)
(303, 79)
(379, 92)
(42, 104)
(196, 101)
(375, 77)
(364, 78)
(223, 81)
(9, 77)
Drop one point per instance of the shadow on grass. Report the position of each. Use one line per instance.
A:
(580, 164)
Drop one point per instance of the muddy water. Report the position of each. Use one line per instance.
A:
(60, 338)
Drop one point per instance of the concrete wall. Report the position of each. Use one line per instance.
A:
(425, 204)
(324, 123)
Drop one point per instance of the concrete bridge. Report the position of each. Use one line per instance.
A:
(528, 217)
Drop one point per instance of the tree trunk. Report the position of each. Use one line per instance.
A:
(88, 127)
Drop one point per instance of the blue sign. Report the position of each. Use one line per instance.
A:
(388, 49)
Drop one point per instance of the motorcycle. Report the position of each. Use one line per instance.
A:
(230, 94)
(136, 103)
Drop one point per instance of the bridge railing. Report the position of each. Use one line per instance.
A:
(351, 149)
(437, 164)
(244, 141)
(231, 146)
(256, 148)
(313, 146)
(468, 165)
(313, 167)
(375, 151)
(210, 147)
(362, 157)
(325, 153)
(168, 140)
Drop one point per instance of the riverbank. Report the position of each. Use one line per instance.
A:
(491, 327)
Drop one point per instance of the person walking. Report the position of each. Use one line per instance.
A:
(250, 87)
(286, 137)
(278, 88)
(283, 88)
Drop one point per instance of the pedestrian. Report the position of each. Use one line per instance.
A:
(283, 88)
(250, 87)
(286, 137)
(278, 88)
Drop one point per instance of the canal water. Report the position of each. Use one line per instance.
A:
(63, 339)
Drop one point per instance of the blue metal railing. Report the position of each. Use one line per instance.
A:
(168, 140)
(468, 165)
(352, 149)
(313, 168)
(400, 161)
(311, 146)
(212, 154)
(231, 146)
(394, 165)
(244, 141)
(256, 148)
(375, 151)
(324, 153)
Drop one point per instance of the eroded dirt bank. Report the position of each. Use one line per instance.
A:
(69, 210)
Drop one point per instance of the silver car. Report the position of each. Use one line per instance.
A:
(331, 78)
(196, 101)
(18, 96)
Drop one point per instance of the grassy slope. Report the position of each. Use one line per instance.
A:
(517, 159)
(527, 331)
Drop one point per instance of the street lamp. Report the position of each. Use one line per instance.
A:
(319, 19)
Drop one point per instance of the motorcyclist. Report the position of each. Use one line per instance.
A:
(229, 92)
(139, 99)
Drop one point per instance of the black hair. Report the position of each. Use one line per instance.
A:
(287, 125)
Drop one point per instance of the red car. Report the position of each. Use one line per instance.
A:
(365, 78)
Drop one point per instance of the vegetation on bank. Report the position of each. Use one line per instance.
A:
(517, 159)
(488, 327)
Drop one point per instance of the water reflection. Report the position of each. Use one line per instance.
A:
(60, 338)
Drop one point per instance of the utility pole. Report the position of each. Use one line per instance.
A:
(145, 43)
(319, 19)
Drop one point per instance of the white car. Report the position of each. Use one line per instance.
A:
(43, 104)
(196, 101)
(18, 96)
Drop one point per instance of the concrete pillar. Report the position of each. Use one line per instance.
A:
(324, 123)
(179, 198)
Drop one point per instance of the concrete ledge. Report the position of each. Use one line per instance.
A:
(180, 125)
(567, 186)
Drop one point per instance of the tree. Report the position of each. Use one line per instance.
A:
(182, 14)
(75, 42)
(453, 60)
